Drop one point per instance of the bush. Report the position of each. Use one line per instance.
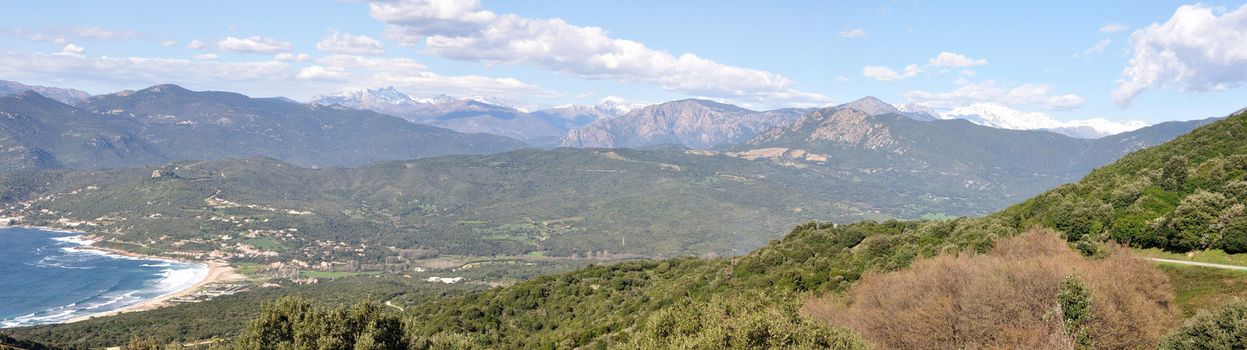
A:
(1222, 328)
(1009, 298)
(739, 323)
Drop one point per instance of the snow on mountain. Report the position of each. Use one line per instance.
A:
(367, 98)
(617, 106)
(437, 99)
(1000, 116)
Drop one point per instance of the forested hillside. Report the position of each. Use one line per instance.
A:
(618, 304)
(1185, 195)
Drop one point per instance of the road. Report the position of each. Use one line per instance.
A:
(1193, 263)
(391, 304)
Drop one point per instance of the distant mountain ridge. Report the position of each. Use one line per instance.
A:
(477, 114)
(167, 122)
(66, 96)
(944, 158)
(692, 123)
(999, 116)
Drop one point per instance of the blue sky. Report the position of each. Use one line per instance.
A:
(1060, 58)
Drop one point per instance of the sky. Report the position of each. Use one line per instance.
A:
(1147, 61)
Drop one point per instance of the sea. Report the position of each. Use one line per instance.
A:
(48, 277)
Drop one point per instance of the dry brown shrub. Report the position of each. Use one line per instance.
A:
(1005, 299)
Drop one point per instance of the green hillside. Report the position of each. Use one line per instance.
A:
(1185, 195)
(605, 305)
(639, 303)
(564, 202)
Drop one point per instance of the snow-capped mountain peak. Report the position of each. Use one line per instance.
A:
(1000, 116)
(616, 106)
(437, 99)
(365, 98)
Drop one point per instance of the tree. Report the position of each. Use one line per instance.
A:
(1222, 328)
(1234, 236)
(1193, 224)
(1173, 175)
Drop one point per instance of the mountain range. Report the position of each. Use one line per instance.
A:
(66, 96)
(949, 160)
(477, 114)
(166, 122)
(999, 116)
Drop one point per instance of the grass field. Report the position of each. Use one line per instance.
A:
(1197, 288)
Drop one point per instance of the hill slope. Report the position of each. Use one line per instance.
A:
(562, 202)
(947, 159)
(693, 123)
(613, 305)
(167, 122)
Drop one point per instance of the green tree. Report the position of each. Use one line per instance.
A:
(1192, 225)
(1222, 328)
(1173, 175)
(1075, 300)
(1234, 236)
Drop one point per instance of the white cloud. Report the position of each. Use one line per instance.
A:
(291, 57)
(853, 33)
(195, 45)
(142, 71)
(413, 77)
(1098, 48)
(72, 50)
(62, 35)
(254, 44)
(1196, 50)
(945, 59)
(954, 60)
(462, 30)
(350, 44)
(323, 73)
(968, 92)
(168, 43)
(842, 78)
(1112, 28)
(267, 77)
(206, 57)
(882, 73)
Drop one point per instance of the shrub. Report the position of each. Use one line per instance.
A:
(1222, 328)
(1008, 298)
(742, 322)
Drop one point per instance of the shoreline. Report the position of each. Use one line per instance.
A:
(218, 272)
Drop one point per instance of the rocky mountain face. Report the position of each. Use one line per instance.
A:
(477, 114)
(166, 122)
(692, 123)
(66, 96)
(873, 106)
(944, 158)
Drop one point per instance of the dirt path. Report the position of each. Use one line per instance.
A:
(391, 304)
(1204, 264)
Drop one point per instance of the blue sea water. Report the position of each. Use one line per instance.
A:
(46, 277)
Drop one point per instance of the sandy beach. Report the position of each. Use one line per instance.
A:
(218, 272)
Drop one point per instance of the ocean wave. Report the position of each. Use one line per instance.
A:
(167, 277)
(171, 280)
